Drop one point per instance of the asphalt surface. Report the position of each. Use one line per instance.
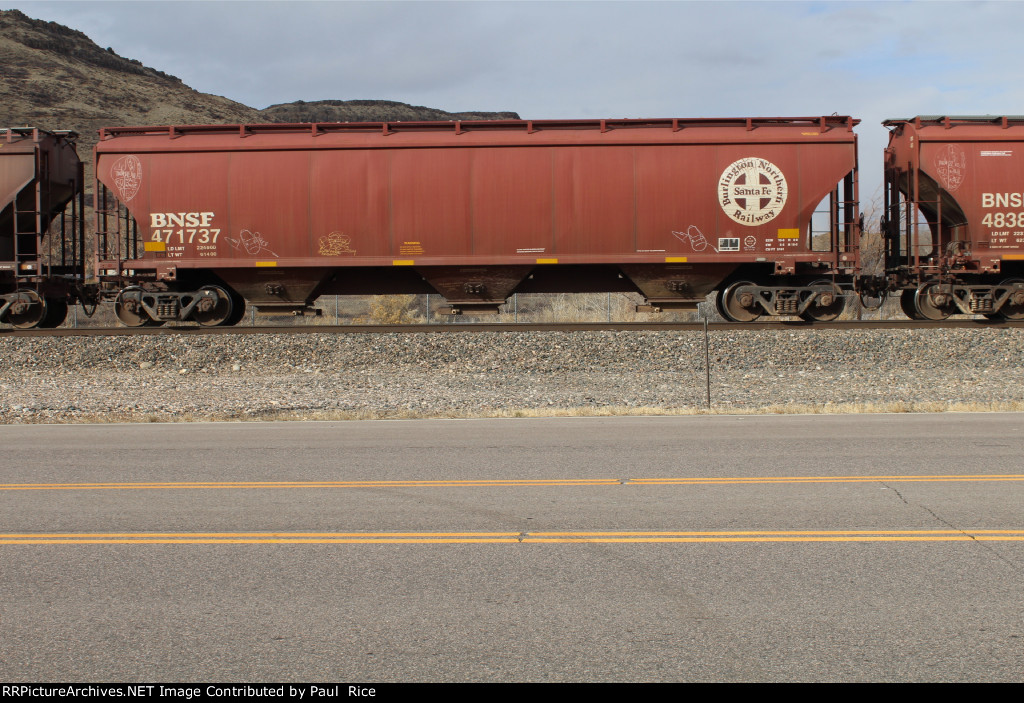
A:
(807, 548)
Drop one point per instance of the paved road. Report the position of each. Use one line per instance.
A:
(701, 548)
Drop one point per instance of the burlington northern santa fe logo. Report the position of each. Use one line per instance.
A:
(752, 191)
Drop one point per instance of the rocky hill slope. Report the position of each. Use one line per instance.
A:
(369, 111)
(55, 77)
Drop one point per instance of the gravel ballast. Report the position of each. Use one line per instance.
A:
(459, 374)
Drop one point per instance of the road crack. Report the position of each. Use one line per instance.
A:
(898, 494)
(946, 523)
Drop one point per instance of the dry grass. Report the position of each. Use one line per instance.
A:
(394, 310)
(605, 411)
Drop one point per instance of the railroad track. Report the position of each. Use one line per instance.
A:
(513, 327)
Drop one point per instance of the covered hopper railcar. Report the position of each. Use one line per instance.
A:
(954, 216)
(42, 235)
(193, 221)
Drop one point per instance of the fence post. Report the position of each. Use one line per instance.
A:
(707, 362)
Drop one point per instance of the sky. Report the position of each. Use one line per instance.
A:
(549, 60)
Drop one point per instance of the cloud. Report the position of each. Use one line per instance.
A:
(582, 59)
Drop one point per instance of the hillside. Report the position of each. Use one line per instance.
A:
(369, 111)
(55, 77)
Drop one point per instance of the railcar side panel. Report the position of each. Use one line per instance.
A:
(352, 204)
(431, 213)
(594, 195)
(268, 207)
(516, 184)
(667, 199)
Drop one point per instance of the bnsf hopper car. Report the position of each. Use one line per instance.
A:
(954, 223)
(42, 262)
(194, 221)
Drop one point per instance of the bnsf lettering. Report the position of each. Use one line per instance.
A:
(180, 219)
(1002, 199)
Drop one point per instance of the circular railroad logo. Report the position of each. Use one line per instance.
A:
(127, 175)
(752, 191)
(951, 166)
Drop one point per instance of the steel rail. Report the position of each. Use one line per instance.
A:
(848, 325)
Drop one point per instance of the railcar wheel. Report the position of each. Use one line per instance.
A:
(933, 303)
(56, 312)
(128, 308)
(907, 305)
(738, 307)
(1013, 309)
(28, 311)
(825, 309)
(215, 308)
(237, 310)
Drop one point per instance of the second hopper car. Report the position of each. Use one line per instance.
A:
(954, 223)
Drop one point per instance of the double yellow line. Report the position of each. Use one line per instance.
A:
(510, 537)
(470, 483)
(508, 483)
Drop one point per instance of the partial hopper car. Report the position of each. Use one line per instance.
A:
(42, 235)
(954, 223)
